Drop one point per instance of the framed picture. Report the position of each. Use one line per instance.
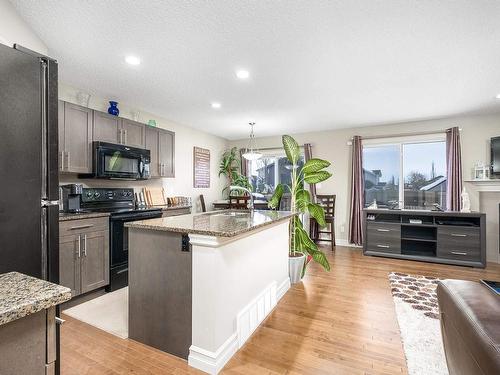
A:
(201, 167)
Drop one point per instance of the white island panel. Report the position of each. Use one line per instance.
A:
(237, 279)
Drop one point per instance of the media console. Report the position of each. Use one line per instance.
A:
(432, 236)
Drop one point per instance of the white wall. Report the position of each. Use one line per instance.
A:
(332, 146)
(13, 29)
(185, 139)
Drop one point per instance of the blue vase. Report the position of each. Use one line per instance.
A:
(113, 108)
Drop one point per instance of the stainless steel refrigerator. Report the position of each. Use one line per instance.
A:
(29, 211)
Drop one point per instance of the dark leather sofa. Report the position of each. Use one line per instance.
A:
(470, 326)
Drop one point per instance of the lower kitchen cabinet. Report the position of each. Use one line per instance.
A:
(84, 254)
(28, 345)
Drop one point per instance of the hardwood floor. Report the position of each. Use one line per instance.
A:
(341, 322)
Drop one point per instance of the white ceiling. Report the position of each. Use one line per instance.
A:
(314, 65)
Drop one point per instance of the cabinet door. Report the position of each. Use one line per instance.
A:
(69, 263)
(95, 261)
(152, 135)
(60, 119)
(133, 133)
(166, 142)
(107, 128)
(77, 138)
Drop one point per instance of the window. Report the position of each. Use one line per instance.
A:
(422, 166)
(271, 169)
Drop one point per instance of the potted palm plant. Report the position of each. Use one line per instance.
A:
(301, 245)
(230, 167)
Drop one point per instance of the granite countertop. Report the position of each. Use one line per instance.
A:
(224, 223)
(22, 295)
(63, 216)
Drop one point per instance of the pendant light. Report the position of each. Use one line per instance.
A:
(250, 152)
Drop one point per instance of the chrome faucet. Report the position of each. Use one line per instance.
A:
(235, 187)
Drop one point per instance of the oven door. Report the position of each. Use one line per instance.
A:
(121, 162)
(119, 246)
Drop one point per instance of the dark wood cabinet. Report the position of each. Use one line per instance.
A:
(113, 129)
(95, 261)
(75, 138)
(79, 126)
(107, 128)
(28, 345)
(161, 143)
(133, 133)
(440, 237)
(84, 254)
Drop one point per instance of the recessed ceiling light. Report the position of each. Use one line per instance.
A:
(498, 96)
(216, 105)
(242, 74)
(132, 60)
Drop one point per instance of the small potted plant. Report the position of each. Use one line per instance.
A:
(301, 244)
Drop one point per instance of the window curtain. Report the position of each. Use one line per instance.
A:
(453, 169)
(307, 157)
(243, 163)
(357, 193)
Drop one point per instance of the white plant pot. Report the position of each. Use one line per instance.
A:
(295, 266)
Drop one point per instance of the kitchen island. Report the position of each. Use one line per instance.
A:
(200, 284)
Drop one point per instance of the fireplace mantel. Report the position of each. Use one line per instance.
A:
(492, 185)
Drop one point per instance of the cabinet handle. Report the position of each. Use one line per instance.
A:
(60, 321)
(67, 159)
(384, 246)
(79, 246)
(383, 230)
(85, 245)
(459, 253)
(458, 235)
(120, 136)
(125, 137)
(61, 167)
(82, 226)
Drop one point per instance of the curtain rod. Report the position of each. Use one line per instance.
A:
(404, 134)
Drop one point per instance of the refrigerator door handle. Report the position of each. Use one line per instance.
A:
(47, 203)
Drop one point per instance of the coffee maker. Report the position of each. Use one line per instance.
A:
(71, 197)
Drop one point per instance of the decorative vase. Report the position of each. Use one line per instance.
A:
(113, 108)
(295, 266)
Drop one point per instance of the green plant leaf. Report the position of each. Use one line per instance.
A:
(308, 244)
(320, 257)
(302, 199)
(315, 177)
(315, 165)
(276, 198)
(292, 149)
(317, 212)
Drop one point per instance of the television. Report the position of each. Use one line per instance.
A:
(495, 156)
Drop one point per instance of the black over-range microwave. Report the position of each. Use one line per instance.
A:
(115, 161)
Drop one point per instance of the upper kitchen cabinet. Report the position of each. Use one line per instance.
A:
(75, 138)
(161, 144)
(133, 133)
(166, 154)
(152, 137)
(113, 129)
(107, 128)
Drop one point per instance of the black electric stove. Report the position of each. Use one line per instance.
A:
(120, 204)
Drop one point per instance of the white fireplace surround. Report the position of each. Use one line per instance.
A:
(485, 197)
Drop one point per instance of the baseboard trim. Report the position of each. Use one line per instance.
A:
(213, 362)
(247, 321)
(346, 243)
(283, 288)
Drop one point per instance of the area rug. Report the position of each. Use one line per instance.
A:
(108, 312)
(417, 312)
